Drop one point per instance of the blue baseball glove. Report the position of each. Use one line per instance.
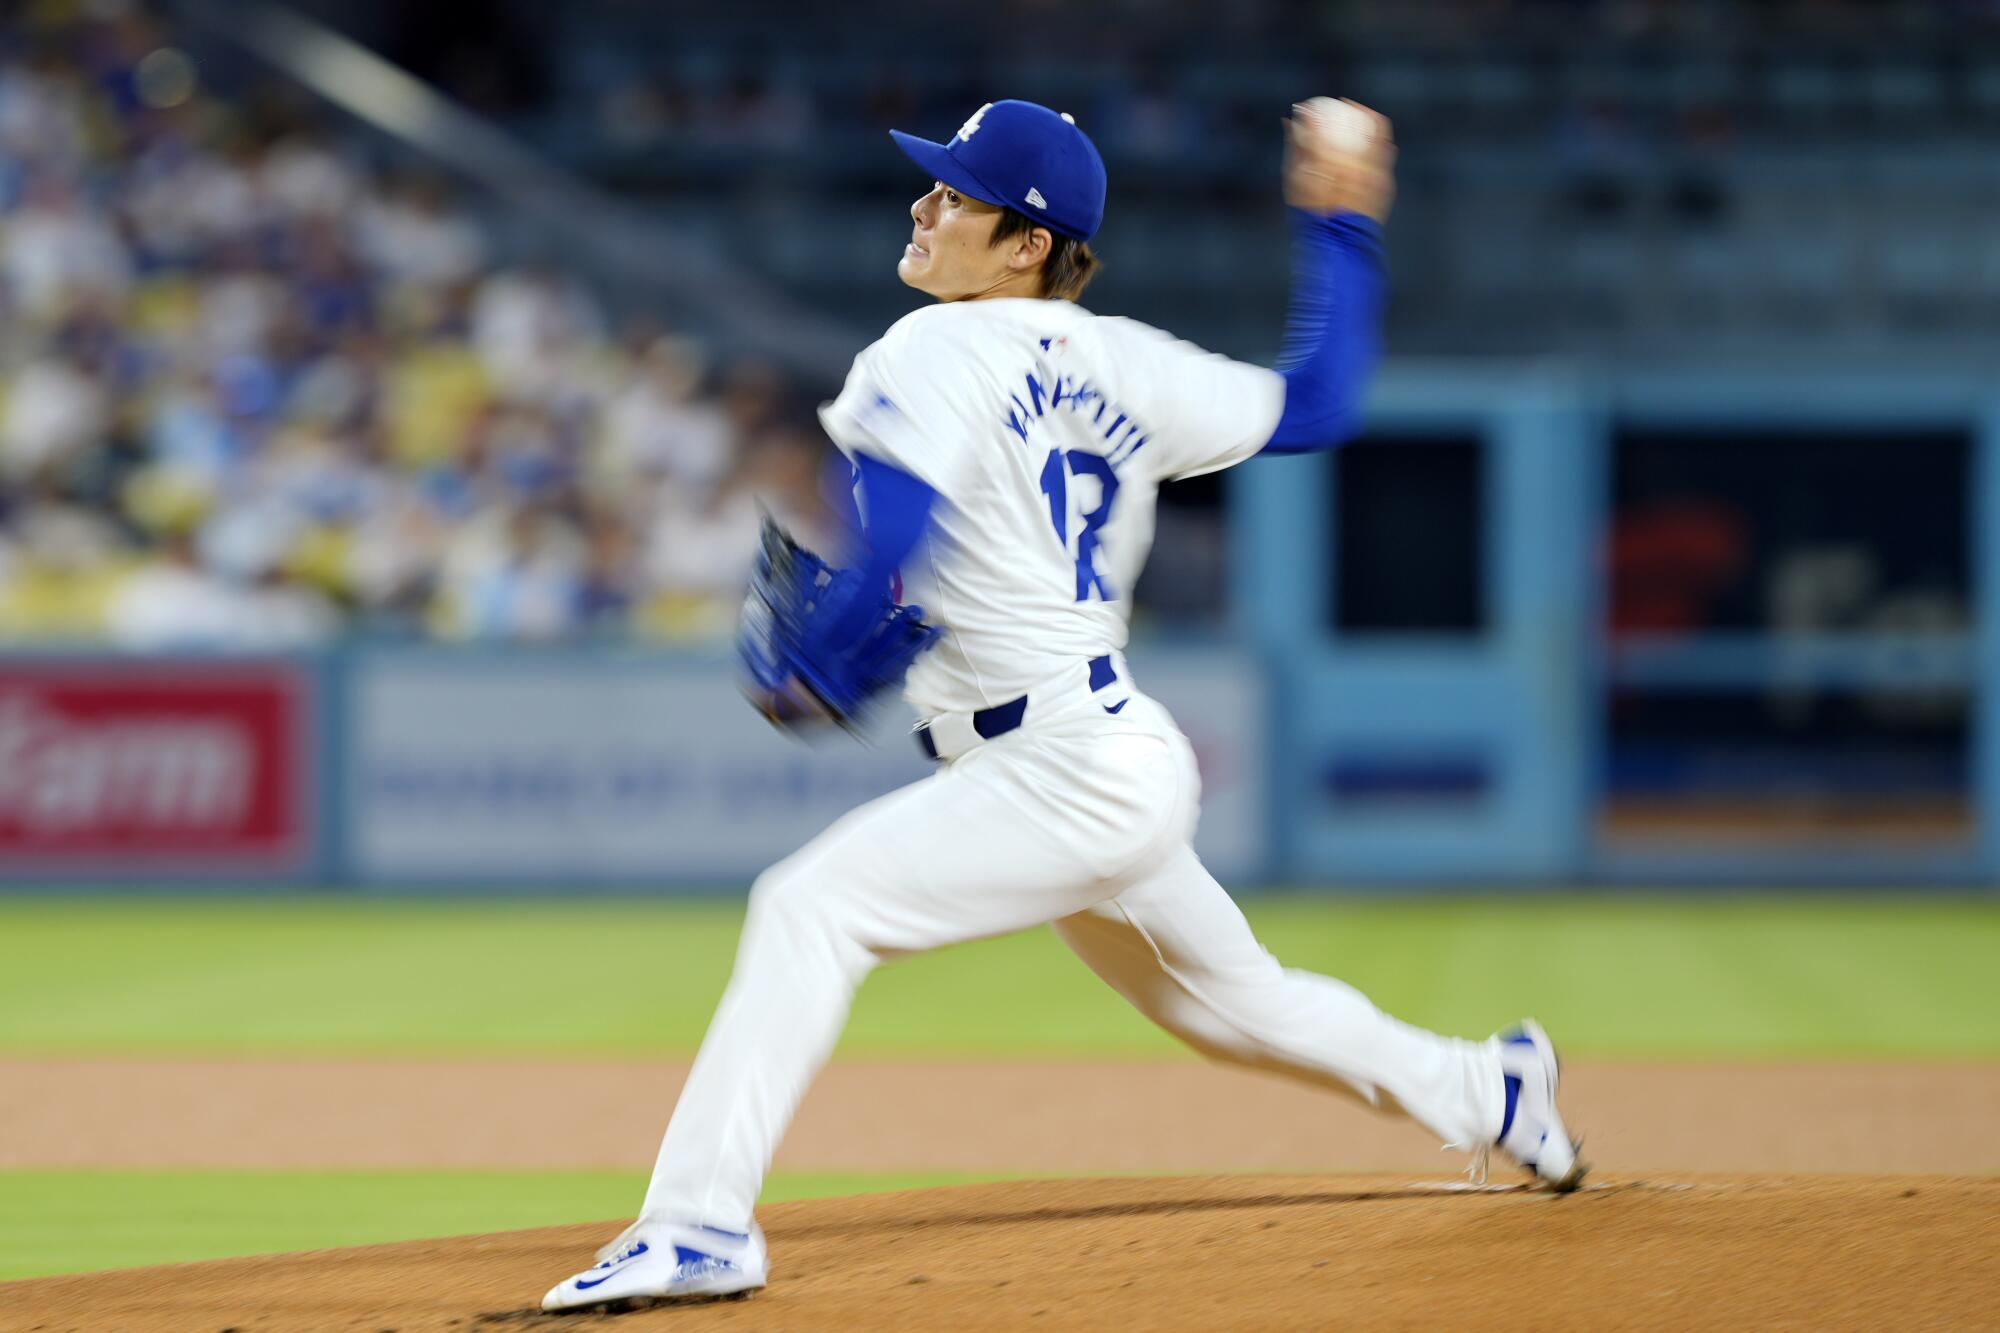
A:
(797, 637)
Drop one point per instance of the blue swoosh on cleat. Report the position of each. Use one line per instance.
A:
(612, 1265)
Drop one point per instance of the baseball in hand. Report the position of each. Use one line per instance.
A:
(1339, 158)
(1341, 126)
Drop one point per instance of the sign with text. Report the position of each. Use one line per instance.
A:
(155, 765)
(571, 769)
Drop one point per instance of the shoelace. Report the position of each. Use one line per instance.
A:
(623, 1241)
(1475, 1170)
(623, 1253)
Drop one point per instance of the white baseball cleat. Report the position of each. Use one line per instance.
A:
(666, 1261)
(1532, 1132)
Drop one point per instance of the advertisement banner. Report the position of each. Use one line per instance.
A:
(570, 769)
(155, 766)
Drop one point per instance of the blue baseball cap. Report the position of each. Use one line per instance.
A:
(1025, 156)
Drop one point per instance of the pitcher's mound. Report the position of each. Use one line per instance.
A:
(1203, 1253)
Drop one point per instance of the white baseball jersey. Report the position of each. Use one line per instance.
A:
(1046, 431)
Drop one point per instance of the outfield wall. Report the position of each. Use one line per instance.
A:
(1673, 625)
(405, 769)
(571, 768)
(421, 769)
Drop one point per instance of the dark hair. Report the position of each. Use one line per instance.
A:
(1070, 265)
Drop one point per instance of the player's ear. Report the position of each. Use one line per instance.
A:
(1031, 247)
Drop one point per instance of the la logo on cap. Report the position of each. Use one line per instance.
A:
(971, 127)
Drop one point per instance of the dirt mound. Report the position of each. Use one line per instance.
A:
(1196, 1253)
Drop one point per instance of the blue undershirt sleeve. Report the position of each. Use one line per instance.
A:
(1333, 330)
(896, 508)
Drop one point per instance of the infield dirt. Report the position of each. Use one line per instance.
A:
(1228, 1252)
(1659, 1238)
(1014, 1117)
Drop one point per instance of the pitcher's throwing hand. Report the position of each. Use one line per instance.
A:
(1340, 157)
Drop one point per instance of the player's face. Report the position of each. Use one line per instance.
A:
(951, 254)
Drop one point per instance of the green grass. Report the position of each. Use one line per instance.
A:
(1632, 976)
(78, 1221)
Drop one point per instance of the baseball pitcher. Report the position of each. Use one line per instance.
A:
(1008, 448)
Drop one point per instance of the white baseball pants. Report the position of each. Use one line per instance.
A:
(1081, 818)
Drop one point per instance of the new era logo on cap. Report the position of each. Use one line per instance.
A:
(1035, 198)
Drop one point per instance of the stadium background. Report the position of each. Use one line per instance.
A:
(383, 402)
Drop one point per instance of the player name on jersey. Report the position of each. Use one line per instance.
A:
(1048, 391)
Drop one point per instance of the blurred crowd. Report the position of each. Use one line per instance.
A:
(256, 391)
(1162, 82)
(258, 388)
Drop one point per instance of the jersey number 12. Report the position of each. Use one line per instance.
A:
(1055, 485)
